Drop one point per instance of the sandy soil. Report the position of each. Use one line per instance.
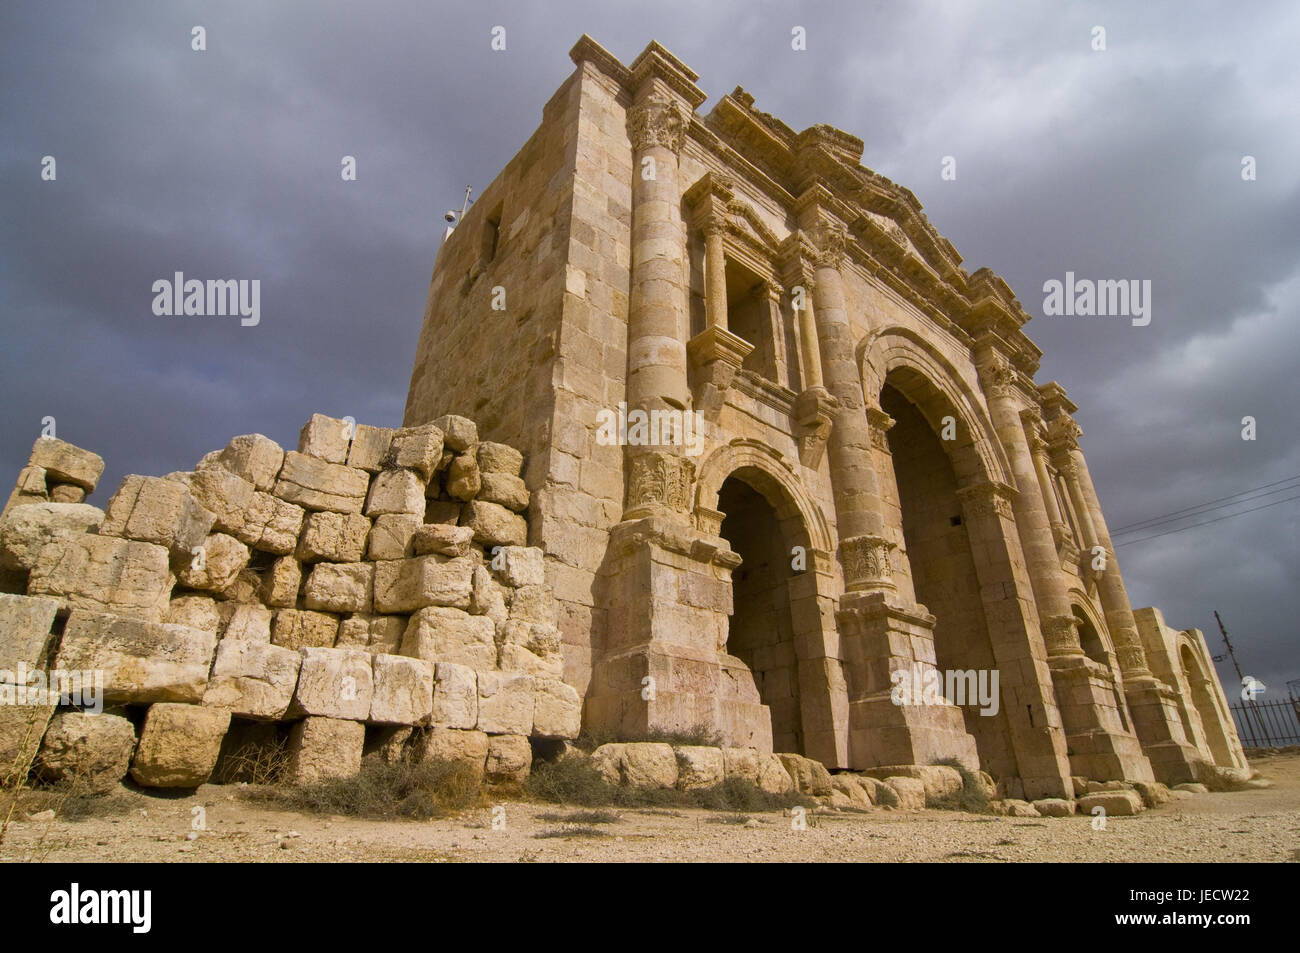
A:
(1254, 825)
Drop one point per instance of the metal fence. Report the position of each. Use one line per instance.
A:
(1268, 724)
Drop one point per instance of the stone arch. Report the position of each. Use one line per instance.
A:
(1080, 605)
(1089, 620)
(768, 473)
(926, 378)
(1211, 719)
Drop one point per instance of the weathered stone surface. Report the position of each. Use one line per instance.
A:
(509, 758)
(65, 463)
(1053, 807)
(271, 524)
(396, 492)
(520, 566)
(107, 574)
(852, 789)
(254, 458)
(463, 480)
(1153, 793)
(318, 485)
(810, 777)
(154, 510)
(493, 524)
(1192, 787)
(443, 511)
(441, 634)
(142, 661)
(512, 657)
(499, 458)
(216, 566)
(334, 683)
(403, 693)
(698, 766)
(393, 535)
(459, 433)
(488, 597)
(339, 587)
(910, 792)
(450, 745)
(1015, 807)
(377, 634)
(281, 583)
(324, 748)
(772, 775)
(649, 764)
(21, 729)
(505, 703)
(875, 789)
(939, 780)
(25, 637)
(24, 530)
(90, 751)
(333, 537)
(197, 612)
(369, 447)
(416, 448)
(228, 496)
(455, 696)
(326, 438)
(179, 745)
(405, 585)
(557, 709)
(533, 604)
(388, 742)
(253, 679)
(508, 491)
(740, 763)
(302, 629)
(30, 488)
(247, 622)
(66, 493)
(609, 760)
(442, 538)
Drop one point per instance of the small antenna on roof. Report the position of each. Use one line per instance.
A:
(452, 216)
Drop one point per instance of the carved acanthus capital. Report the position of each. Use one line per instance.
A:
(986, 499)
(998, 376)
(659, 481)
(1061, 636)
(657, 121)
(831, 241)
(1063, 434)
(867, 563)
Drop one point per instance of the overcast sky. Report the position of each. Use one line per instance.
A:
(1123, 163)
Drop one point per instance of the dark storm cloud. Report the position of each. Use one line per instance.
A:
(1122, 164)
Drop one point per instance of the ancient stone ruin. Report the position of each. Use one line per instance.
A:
(779, 455)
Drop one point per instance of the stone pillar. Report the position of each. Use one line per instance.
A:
(715, 274)
(812, 358)
(769, 294)
(1055, 518)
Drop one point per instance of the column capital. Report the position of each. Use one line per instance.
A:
(831, 241)
(997, 375)
(1063, 434)
(867, 563)
(989, 498)
(659, 482)
(657, 120)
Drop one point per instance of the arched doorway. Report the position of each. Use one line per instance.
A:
(1095, 648)
(760, 631)
(1203, 702)
(942, 565)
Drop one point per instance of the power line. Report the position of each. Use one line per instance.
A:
(1204, 510)
(1187, 509)
(1207, 522)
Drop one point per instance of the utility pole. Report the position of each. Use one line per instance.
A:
(1242, 680)
(1232, 655)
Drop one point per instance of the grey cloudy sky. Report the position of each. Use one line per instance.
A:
(1117, 164)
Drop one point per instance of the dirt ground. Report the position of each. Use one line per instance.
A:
(1253, 825)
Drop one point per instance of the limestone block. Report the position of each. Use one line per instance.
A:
(303, 629)
(939, 780)
(698, 766)
(557, 709)
(405, 585)
(610, 760)
(254, 458)
(520, 566)
(215, 569)
(512, 657)
(271, 524)
(21, 729)
(334, 683)
(247, 622)
(1053, 807)
(459, 433)
(326, 438)
(1153, 793)
(228, 496)
(505, 703)
(910, 792)
(509, 758)
(649, 764)
(333, 537)
(442, 634)
(66, 493)
(29, 488)
(377, 634)
(396, 491)
(388, 742)
(810, 777)
(24, 530)
(324, 748)
(179, 745)
(253, 679)
(369, 447)
(416, 448)
(443, 539)
(154, 510)
(533, 604)
(318, 485)
(741, 763)
(1191, 787)
(499, 458)
(339, 587)
(443, 511)
(283, 579)
(92, 751)
(25, 637)
(873, 787)
(403, 693)
(393, 536)
(64, 463)
(508, 491)
(197, 612)
(142, 661)
(488, 597)
(463, 481)
(452, 746)
(455, 696)
(1014, 807)
(853, 790)
(107, 574)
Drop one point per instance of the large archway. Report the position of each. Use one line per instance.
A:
(1202, 700)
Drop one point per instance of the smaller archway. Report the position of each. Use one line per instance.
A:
(1096, 648)
(1202, 700)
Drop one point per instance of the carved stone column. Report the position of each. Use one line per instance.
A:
(1038, 449)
